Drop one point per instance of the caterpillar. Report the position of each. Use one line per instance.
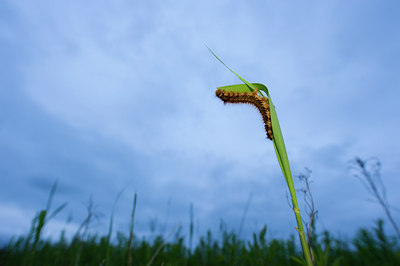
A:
(261, 103)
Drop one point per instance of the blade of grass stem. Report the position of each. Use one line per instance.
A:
(246, 208)
(280, 150)
(191, 229)
(162, 245)
(131, 231)
(110, 227)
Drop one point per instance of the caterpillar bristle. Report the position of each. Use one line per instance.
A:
(261, 103)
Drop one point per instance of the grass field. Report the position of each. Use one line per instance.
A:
(370, 247)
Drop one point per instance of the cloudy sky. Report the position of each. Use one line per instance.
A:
(110, 95)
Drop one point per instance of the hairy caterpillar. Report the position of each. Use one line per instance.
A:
(261, 103)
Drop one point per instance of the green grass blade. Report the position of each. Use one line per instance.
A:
(236, 88)
(280, 150)
(110, 227)
(299, 261)
(245, 88)
(131, 230)
(56, 211)
(251, 86)
(279, 143)
(52, 192)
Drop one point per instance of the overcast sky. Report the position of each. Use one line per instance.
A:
(111, 95)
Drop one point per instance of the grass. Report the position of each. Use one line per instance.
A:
(369, 247)
(271, 121)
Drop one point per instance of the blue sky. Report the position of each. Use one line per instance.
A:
(105, 95)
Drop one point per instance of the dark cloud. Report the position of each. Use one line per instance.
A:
(120, 96)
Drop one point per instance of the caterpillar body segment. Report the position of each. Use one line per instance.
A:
(261, 103)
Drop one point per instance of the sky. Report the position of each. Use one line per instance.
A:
(119, 96)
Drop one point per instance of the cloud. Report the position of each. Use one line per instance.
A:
(106, 96)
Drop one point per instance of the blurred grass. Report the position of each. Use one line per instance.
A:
(369, 247)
